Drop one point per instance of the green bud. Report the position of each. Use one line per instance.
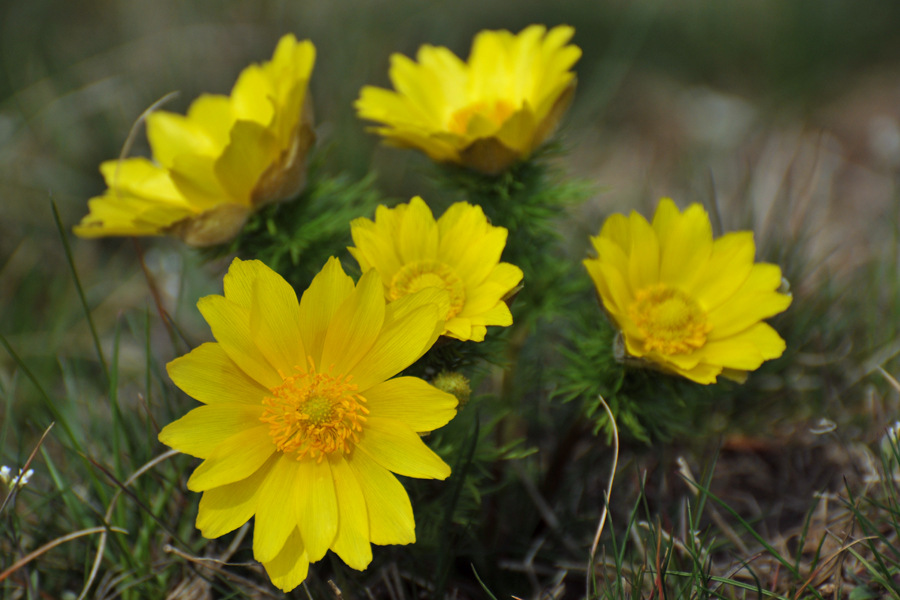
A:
(454, 383)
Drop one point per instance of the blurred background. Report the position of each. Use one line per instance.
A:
(784, 114)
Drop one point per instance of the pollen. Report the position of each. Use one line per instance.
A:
(671, 321)
(496, 112)
(314, 414)
(423, 274)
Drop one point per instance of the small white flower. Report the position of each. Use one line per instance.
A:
(19, 481)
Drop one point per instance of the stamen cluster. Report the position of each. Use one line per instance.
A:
(314, 413)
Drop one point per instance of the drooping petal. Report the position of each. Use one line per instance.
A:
(352, 540)
(290, 568)
(315, 509)
(390, 512)
(274, 518)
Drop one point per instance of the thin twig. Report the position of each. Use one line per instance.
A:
(612, 477)
(24, 469)
(204, 560)
(132, 134)
(51, 545)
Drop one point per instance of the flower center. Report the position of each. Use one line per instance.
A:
(314, 413)
(423, 274)
(671, 321)
(496, 112)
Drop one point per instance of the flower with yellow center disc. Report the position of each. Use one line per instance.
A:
(485, 114)
(689, 304)
(303, 426)
(459, 253)
(228, 157)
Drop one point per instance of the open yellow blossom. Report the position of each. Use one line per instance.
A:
(485, 114)
(459, 253)
(302, 426)
(228, 157)
(686, 303)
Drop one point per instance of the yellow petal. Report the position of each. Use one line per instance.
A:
(223, 509)
(274, 518)
(613, 287)
(498, 315)
(172, 135)
(754, 301)
(207, 374)
(140, 177)
(480, 257)
(485, 297)
(315, 509)
(352, 540)
(275, 322)
(518, 130)
(355, 326)
(617, 229)
(728, 268)
(460, 226)
(195, 177)
(200, 432)
(320, 301)
(235, 459)
(213, 113)
(250, 152)
(419, 86)
(375, 251)
(643, 265)
(746, 350)
(704, 373)
(238, 281)
(735, 375)
(460, 329)
(400, 343)
(230, 324)
(410, 400)
(290, 568)
(397, 448)
(665, 220)
(419, 233)
(390, 512)
(251, 96)
(687, 248)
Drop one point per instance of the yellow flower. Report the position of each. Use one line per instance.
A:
(228, 157)
(459, 253)
(485, 114)
(686, 303)
(302, 426)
